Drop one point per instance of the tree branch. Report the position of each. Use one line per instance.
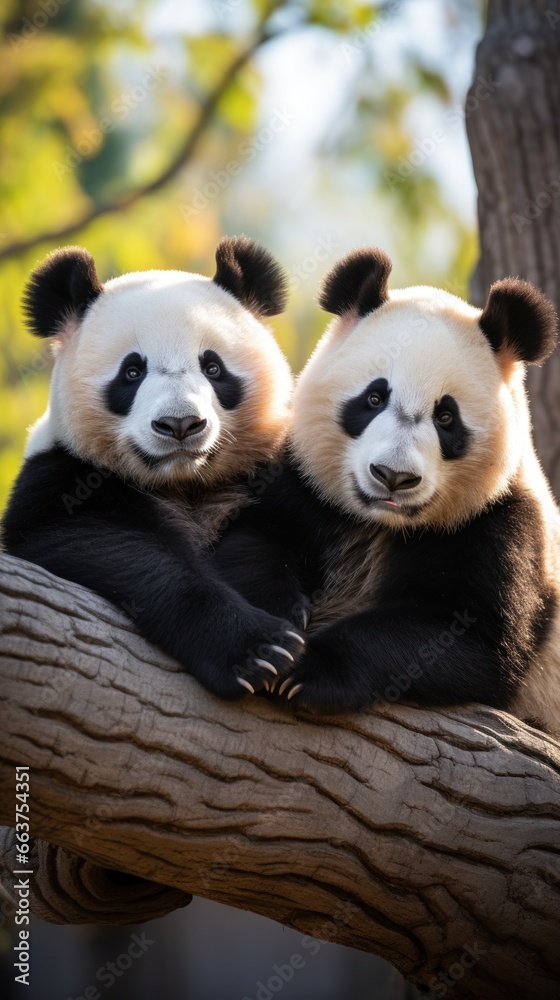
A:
(68, 889)
(431, 838)
(181, 159)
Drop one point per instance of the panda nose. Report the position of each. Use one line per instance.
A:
(178, 427)
(394, 480)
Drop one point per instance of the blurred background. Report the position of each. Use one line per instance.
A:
(342, 125)
(145, 130)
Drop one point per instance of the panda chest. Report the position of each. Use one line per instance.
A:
(352, 573)
(202, 519)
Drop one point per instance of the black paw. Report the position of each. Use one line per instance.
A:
(326, 683)
(265, 655)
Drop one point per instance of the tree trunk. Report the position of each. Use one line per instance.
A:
(431, 838)
(513, 126)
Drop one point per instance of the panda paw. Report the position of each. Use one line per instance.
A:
(325, 684)
(266, 657)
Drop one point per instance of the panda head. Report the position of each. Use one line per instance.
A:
(412, 409)
(163, 376)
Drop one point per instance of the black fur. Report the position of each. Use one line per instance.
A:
(268, 575)
(89, 526)
(357, 283)
(250, 273)
(520, 319)
(120, 392)
(357, 413)
(456, 617)
(61, 289)
(229, 388)
(453, 439)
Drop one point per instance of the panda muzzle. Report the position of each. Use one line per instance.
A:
(179, 427)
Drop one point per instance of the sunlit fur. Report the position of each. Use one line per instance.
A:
(426, 343)
(171, 318)
(539, 693)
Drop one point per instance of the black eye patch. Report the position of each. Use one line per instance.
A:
(357, 413)
(121, 390)
(229, 388)
(453, 434)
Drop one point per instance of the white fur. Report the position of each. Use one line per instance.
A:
(427, 344)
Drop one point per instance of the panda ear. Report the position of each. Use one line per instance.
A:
(358, 283)
(519, 321)
(60, 290)
(251, 274)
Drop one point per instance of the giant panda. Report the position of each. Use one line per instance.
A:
(424, 532)
(167, 391)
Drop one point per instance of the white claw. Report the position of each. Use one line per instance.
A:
(266, 665)
(266, 685)
(295, 689)
(306, 619)
(273, 684)
(294, 635)
(284, 685)
(284, 652)
(245, 684)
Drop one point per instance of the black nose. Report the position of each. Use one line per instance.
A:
(394, 480)
(178, 427)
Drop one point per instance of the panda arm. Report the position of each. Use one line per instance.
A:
(385, 655)
(117, 543)
(268, 552)
(267, 574)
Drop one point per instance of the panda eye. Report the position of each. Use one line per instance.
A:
(212, 370)
(374, 399)
(445, 418)
(132, 373)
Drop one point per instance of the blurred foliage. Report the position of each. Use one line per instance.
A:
(95, 102)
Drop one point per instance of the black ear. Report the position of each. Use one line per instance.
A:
(250, 273)
(520, 321)
(358, 283)
(59, 290)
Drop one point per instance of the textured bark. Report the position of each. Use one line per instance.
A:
(68, 889)
(431, 838)
(514, 135)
